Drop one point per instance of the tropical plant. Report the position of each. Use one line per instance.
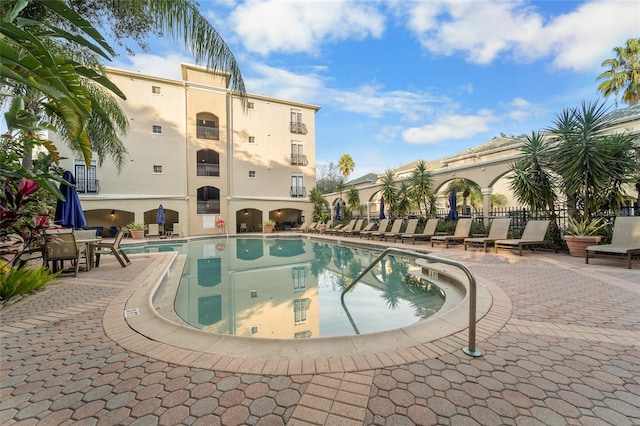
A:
(318, 202)
(589, 161)
(23, 281)
(353, 197)
(623, 73)
(403, 204)
(389, 190)
(532, 181)
(584, 228)
(421, 189)
(134, 226)
(269, 222)
(464, 187)
(346, 165)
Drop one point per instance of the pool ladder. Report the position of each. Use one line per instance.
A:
(469, 350)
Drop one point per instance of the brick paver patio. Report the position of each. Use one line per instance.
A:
(560, 345)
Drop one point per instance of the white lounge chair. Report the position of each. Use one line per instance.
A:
(463, 227)
(499, 231)
(533, 235)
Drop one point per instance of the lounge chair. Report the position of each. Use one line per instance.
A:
(176, 230)
(337, 229)
(534, 234)
(463, 227)
(303, 227)
(312, 227)
(624, 242)
(357, 231)
(382, 226)
(357, 225)
(383, 229)
(410, 229)
(499, 231)
(153, 230)
(61, 246)
(428, 232)
(111, 248)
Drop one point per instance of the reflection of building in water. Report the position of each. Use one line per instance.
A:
(251, 290)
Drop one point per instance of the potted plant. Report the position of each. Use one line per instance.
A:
(581, 234)
(324, 217)
(268, 226)
(136, 230)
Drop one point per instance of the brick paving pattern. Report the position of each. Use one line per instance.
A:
(566, 352)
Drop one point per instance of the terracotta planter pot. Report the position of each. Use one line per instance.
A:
(137, 235)
(577, 245)
(268, 229)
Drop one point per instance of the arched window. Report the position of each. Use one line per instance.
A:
(208, 163)
(208, 200)
(207, 126)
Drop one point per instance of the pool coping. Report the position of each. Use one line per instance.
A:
(132, 321)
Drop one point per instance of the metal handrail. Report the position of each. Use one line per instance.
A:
(469, 350)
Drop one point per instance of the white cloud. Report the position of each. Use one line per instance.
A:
(520, 109)
(266, 26)
(484, 31)
(447, 127)
(160, 66)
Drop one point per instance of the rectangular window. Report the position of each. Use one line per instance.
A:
(252, 139)
(157, 169)
(86, 178)
(155, 90)
(296, 125)
(297, 187)
(300, 308)
(254, 329)
(297, 154)
(157, 130)
(252, 173)
(299, 278)
(251, 105)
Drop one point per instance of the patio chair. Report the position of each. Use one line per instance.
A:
(176, 230)
(153, 230)
(311, 227)
(111, 248)
(463, 227)
(339, 227)
(303, 227)
(383, 229)
(357, 230)
(61, 246)
(499, 231)
(395, 233)
(428, 232)
(356, 225)
(625, 240)
(533, 235)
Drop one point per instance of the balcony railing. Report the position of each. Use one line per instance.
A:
(205, 169)
(87, 186)
(207, 132)
(298, 191)
(298, 127)
(209, 206)
(299, 160)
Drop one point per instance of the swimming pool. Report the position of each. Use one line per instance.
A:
(289, 288)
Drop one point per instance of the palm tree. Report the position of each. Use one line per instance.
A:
(623, 73)
(318, 202)
(421, 186)
(464, 186)
(590, 162)
(532, 181)
(346, 165)
(389, 190)
(403, 205)
(353, 197)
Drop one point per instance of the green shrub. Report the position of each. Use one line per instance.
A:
(23, 280)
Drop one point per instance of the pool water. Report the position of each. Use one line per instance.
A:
(288, 288)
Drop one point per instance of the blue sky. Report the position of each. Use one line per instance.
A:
(403, 80)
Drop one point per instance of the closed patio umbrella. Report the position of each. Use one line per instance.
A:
(381, 216)
(453, 201)
(337, 217)
(160, 215)
(69, 212)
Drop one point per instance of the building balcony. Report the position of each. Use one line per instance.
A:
(205, 169)
(298, 128)
(298, 192)
(87, 186)
(299, 160)
(203, 132)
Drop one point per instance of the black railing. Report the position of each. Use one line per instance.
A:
(298, 127)
(299, 160)
(203, 132)
(205, 169)
(87, 186)
(209, 207)
(298, 191)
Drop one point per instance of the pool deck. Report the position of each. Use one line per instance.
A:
(560, 344)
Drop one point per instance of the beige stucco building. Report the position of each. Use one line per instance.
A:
(195, 149)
